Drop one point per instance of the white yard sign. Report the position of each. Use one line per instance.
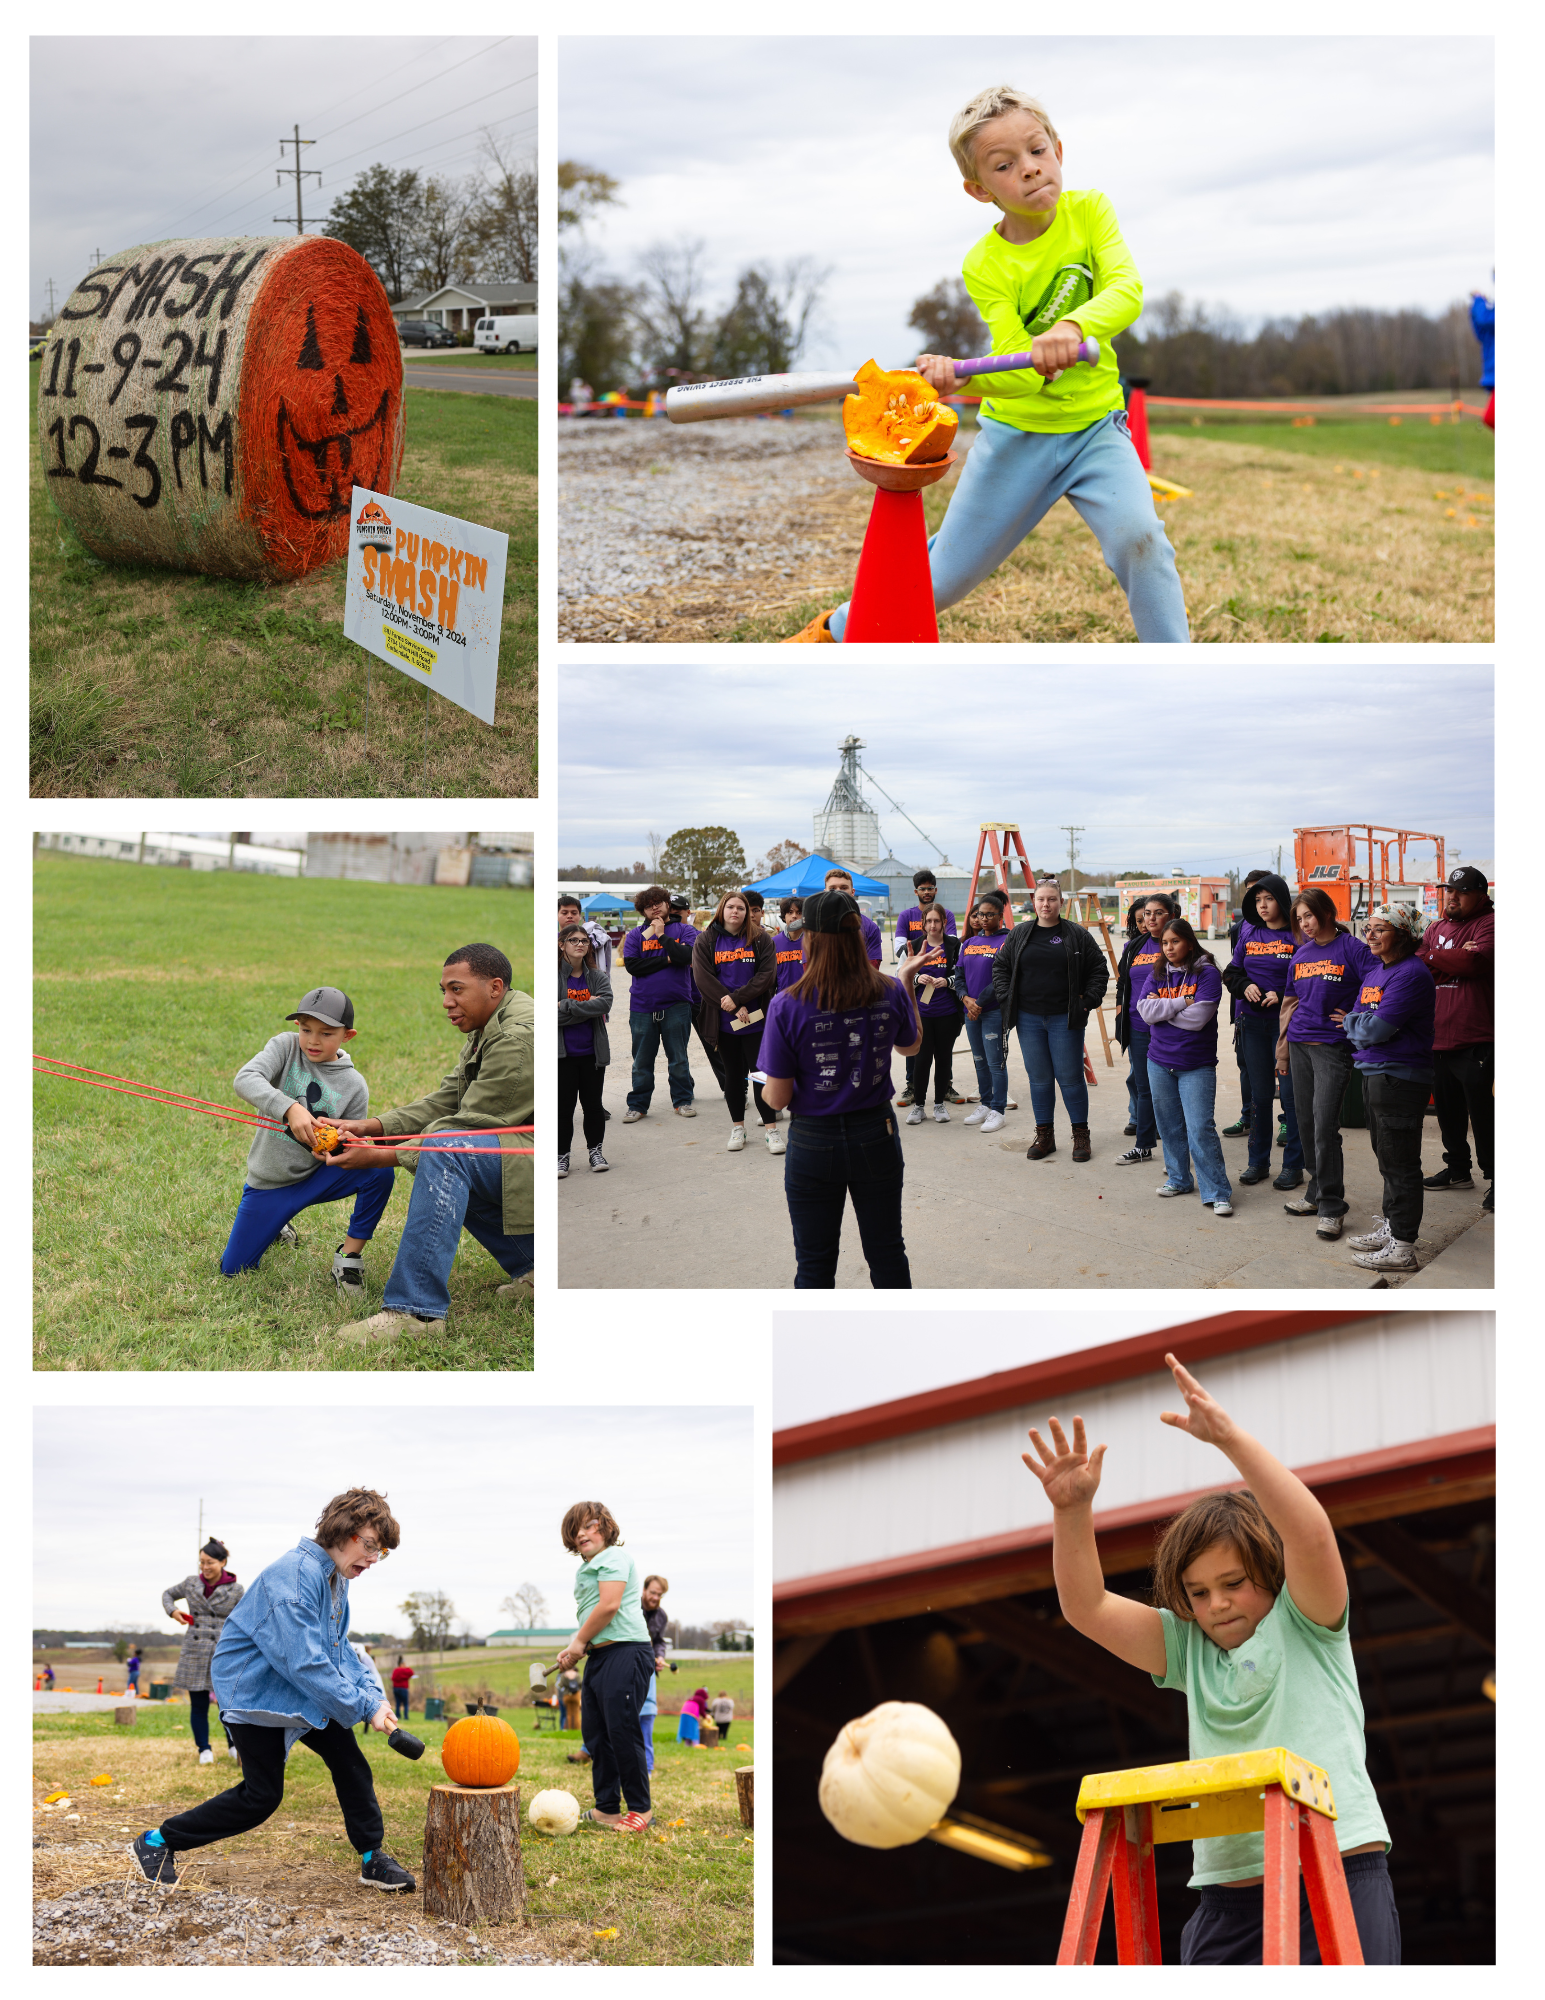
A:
(425, 593)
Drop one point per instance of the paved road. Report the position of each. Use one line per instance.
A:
(467, 376)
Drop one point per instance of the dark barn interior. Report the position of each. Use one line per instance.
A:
(1034, 1707)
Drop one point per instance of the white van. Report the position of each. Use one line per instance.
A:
(513, 334)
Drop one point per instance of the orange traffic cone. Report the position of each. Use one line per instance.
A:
(1137, 417)
(99, 1683)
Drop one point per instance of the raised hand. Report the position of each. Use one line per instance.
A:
(1204, 1419)
(1070, 1475)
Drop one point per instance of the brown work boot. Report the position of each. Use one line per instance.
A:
(1082, 1150)
(1045, 1142)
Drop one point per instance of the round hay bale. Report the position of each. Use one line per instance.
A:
(209, 403)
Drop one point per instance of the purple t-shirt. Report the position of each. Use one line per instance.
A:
(734, 961)
(1406, 994)
(934, 1003)
(580, 1040)
(838, 1062)
(791, 959)
(1324, 979)
(874, 944)
(909, 925)
(1265, 955)
(1185, 1048)
(1149, 953)
(654, 990)
(975, 966)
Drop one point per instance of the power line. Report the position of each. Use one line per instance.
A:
(421, 85)
(300, 174)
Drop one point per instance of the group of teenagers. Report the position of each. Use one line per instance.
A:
(804, 1016)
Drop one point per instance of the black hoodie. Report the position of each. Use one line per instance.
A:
(1236, 977)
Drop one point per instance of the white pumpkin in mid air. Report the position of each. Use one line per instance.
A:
(890, 1775)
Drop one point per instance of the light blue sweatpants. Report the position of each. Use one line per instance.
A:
(1009, 481)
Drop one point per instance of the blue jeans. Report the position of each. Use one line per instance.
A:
(855, 1154)
(263, 1212)
(1012, 478)
(991, 1059)
(674, 1028)
(1258, 1046)
(400, 1703)
(1182, 1108)
(1052, 1050)
(1138, 1092)
(452, 1192)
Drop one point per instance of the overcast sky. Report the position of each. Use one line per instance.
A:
(478, 1494)
(1271, 175)
(137, 138)
(1205, 770)
(824, 1363)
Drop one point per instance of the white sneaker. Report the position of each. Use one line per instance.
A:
(1223, 1208)
(685, 1110)
(940, 1115)
(737, 1139)
(1012, 1105)
(1374, 1239)
(1390, 1256)
(776, 1143)
(915, 1115)
(206, 1756)
(1328, 1228)
(1168, 1189)
(975, 1117)
(993, 1122)
(233, 1753)
(598, 1163)
(631, 1117)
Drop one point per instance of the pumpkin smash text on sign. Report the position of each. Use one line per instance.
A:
(425, 593)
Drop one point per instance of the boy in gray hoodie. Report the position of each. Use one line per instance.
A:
(305, 1079)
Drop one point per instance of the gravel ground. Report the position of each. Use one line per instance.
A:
(667, 532)
(124, 1923)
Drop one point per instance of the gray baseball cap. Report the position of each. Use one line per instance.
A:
(326, 1003)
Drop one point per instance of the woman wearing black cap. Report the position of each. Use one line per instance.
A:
(1257, 976)
(827, 1050)
(734, 969)
(211, 1595)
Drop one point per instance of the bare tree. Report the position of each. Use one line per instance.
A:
(948, 321)
(504, 229)
(668, 307)
(445, 215)
(527, 1607)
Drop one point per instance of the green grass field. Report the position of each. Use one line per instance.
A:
(462, 1675)
(148, 683)
(679, 1895)
(1456, 451)
(175, 977)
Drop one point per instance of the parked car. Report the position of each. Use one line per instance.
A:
(511, 333)
(424, 333)
(36, 342)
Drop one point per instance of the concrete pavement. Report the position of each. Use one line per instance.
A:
(976, 1212)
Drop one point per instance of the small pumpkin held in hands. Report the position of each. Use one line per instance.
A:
(890, 1775)
(896, 418)
(328, 1139)
(480, 1750)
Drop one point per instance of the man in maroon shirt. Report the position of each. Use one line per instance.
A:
(1459, 952)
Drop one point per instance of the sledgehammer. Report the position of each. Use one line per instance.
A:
(757, 395)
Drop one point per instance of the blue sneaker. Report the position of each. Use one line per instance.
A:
(154, 1859)
(377, 1870)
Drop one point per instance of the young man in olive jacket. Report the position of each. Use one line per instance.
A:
(487, 1191)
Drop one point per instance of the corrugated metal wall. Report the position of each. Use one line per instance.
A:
(1375, 1383)
(407, 858)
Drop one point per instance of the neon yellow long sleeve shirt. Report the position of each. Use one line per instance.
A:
(1079, 269)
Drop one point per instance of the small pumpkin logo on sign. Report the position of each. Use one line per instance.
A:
(373, 525)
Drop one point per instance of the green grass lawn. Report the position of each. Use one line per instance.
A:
(462, 1676)
(1465, 450)
(150, 683)
(679, 1895)
(175, 977)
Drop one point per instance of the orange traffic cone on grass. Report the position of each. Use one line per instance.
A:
(893, 590)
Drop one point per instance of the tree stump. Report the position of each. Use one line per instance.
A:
(745, 1779)
(472, 1870)
(124, 1717)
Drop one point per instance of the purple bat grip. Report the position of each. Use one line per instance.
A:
(1003, 364)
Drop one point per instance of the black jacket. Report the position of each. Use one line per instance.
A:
(1124, 988)
(1236, 977)
(1088, 972)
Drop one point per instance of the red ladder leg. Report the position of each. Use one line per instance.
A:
(1330, 1902)
(1279, 1892)
(1086, 1903)
(1136, 1894)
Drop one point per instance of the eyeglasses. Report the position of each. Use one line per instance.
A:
(372, 1549)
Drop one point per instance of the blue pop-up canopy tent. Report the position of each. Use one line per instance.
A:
(602, 905)
(808, 875)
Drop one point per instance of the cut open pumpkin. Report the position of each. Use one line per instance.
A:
(896, 419)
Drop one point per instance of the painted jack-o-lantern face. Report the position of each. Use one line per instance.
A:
(321, 401)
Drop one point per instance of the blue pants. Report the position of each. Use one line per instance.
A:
(829, 1159)
(400, 1703)
(1258, 1047)
(1012, 478)
(1138, 1092)
(1182, 1107)
(646, 1716)
(991, 1059)
(263, 1212)
(1054, 1053)
(674, 1028)
(452, 1192)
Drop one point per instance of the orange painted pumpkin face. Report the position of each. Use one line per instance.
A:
(481, 1750)
(321, 408)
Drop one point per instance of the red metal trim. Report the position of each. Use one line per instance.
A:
(971, 1571)
(1194, 1340)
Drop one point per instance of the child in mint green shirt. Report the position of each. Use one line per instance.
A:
(1052, 271)
(613, 1641)
(1250, 1623)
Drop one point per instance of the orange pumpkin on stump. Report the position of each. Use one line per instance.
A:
(896, 419)
(480, 1750)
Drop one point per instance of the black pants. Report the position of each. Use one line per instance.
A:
(261, 1790)
(615, 1689)
(1395, 1111)
(580, 1081)
(1320, 1072)
(713, 1059)
(1461, 1090)
(854, 1155)
(1226, 1930)
(1246, 1087)
(198, 1717)
(738, 1056)
(937, 1054)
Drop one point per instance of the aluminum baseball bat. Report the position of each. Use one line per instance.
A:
(757, 395)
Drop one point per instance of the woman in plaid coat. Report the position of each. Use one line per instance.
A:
(211, 1595)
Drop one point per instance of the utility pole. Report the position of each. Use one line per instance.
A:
(1072, 833)
(50, 298)
(308, 173)
(1278, 869)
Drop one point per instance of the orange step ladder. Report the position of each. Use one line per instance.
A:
(1125, 1814)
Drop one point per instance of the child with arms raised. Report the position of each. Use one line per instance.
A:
(1251, 1625)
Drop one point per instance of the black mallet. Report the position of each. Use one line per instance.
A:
(405, 1745)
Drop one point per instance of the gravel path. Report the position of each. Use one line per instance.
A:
(669, 532)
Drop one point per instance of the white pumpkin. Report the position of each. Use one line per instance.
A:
(554, 1812)
(890, 1775)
